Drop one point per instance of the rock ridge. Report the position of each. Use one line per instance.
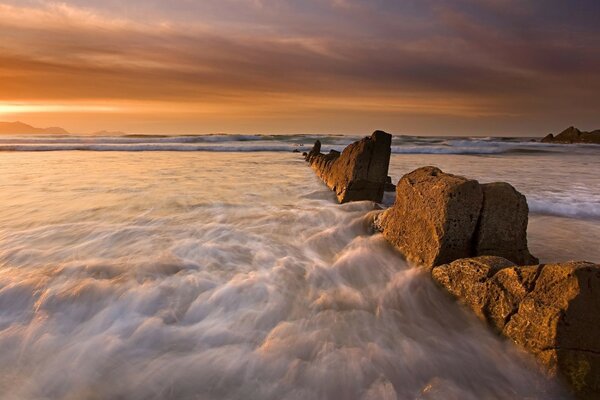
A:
(359, 172)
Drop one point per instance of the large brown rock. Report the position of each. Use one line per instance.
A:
(434, 217)
(359, 172)
(552, 311)
(573, 135)
(438, 218)
(502, 229)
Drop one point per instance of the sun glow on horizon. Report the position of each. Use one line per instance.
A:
(31, 108)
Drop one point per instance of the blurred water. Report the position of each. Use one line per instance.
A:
(236, 276)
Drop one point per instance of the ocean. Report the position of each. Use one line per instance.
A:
(221, 267)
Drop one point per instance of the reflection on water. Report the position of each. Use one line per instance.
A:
(209, 276)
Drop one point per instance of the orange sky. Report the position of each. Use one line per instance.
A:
(339, 66)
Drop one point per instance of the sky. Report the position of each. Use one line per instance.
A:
(454, 67)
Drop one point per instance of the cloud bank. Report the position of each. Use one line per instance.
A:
(453, 67)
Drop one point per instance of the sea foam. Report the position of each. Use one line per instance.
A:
(216, 276)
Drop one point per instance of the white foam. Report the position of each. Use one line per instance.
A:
(198, 276)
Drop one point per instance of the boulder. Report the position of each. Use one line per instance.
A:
(438, 218)
(434, 217)
(502, 228)
(551, 310)
(573, 135)
(359, 172)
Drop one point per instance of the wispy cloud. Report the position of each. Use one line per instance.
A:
(318, 59)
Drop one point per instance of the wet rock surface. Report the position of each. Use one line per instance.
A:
(438, 218)
(359, 172)
(551, 310)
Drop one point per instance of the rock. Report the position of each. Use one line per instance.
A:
(438, 218)
(573, 135)
(359, 172)
(502, 229)
(314, 151)
(389, 186)
(295, 151)
(552, 311)
(434, 217)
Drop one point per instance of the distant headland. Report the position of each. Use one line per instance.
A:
(573, 135)
(20, 128)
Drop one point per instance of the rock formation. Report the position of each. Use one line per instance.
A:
(502, 228)
(359, 172)
(438, 218)
(552, 311)
(573, 135)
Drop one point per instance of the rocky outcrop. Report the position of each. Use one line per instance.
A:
(502, 228)
(438, 218)
(552, 311)
(359, 172)
(434, 217)
(573, 135)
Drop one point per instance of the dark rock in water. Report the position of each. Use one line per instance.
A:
(316, 150)
(389, 186)
(551, 310)
(502, 228)
(295, 151)
(434, 217)
(573, 135)
(359, 172)
(438, 218)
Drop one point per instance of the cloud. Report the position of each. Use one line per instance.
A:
(458, 59)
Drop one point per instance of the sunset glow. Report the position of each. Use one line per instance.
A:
(458, 67)
(26, 108)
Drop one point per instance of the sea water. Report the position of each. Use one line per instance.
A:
(220, 267)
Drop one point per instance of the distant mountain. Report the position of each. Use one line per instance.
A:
(19, 128)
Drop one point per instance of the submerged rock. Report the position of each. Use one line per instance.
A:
(359, 172)
(438, 218)
(573, 135)
(551, 310)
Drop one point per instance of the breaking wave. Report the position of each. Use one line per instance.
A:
(276, 143)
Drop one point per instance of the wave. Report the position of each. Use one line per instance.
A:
(278, 143)
(589, 209)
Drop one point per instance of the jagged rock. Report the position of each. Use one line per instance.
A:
(502, 228)
(438, 218)
(552, 311)
(434, 217)
(359, 172)
(316, 150)
(573, 135)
